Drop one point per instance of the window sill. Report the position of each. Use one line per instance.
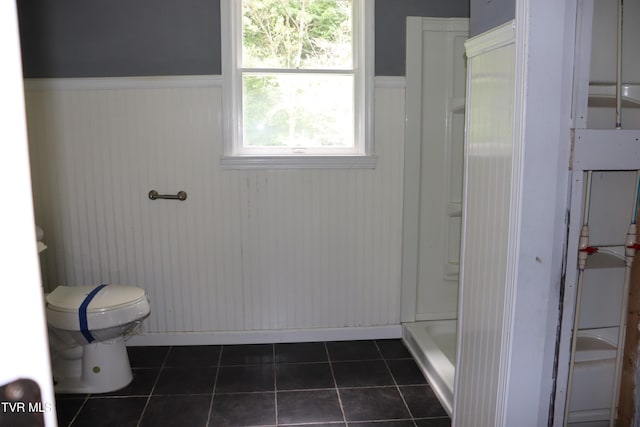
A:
(299, 162)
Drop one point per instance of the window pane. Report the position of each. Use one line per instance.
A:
(307, 34)
(298, 110)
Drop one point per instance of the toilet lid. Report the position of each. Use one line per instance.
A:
(111, 297)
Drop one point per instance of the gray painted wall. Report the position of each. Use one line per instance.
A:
(98, 38)
(487, 14)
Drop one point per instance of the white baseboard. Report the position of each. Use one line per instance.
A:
(261, 337)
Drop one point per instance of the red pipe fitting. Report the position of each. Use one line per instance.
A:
(589, 250)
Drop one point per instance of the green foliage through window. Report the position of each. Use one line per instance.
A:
(297, 34)
(297, 73)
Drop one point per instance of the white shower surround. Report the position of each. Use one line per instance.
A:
(250, 256)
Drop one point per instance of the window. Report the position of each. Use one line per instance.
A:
(297, 82)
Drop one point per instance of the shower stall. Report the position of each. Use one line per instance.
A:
(434, 138)
(606, 121)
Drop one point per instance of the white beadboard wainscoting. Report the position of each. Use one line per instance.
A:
(251, 255)
(489, 238)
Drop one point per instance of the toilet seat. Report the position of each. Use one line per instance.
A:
(113, 305)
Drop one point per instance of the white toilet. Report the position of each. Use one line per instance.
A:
(87, 327)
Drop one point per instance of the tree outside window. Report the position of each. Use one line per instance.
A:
(282, 105)
(297, 78)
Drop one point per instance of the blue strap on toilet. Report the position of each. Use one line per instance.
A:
(82, 312)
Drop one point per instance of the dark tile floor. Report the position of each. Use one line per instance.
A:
(347, 383)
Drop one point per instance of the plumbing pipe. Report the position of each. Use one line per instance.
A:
(637, 199)
(629, 254)
(630, 251)
(619, 68)
(583, 252)
(587, 204)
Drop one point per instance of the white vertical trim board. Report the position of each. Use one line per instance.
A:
(411, 199)
(545, 41)
(490, 217)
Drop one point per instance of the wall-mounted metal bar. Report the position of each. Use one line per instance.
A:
(181, 196)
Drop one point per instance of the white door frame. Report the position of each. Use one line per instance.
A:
(25, 350)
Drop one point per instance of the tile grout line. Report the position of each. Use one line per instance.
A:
(333, 376)
(215, 383)
(393, 378)
(84, 402)
(315, 362)
(296, 390)
(146, 404)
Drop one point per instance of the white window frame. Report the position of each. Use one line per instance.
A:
(235, 157)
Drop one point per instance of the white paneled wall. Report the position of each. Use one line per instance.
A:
(488, 223)
(248, 250)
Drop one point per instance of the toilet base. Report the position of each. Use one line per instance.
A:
(93, 368)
